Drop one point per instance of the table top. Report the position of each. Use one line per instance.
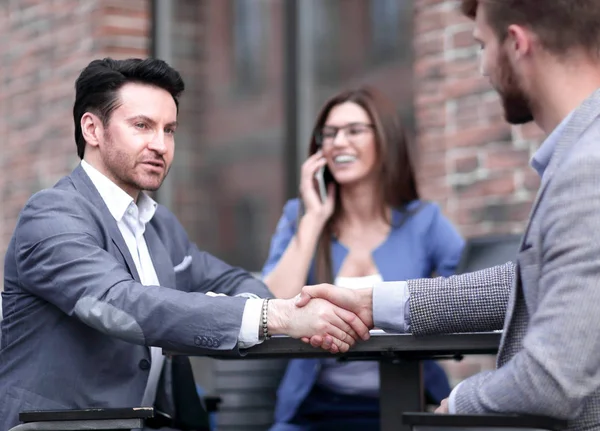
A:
(379, 346)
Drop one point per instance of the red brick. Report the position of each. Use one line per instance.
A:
(467, 86)
(501, 185)
(465, 164)
(493, 111)
(432, 117)
(36, 86)
(435, 189)
(430, 67)
(431, 140)
(530, 132)
(506, 158)
(455, 17)
(531, 180)
(467, 216)
(433, 165)
(423, 100)
(424, 4)
(479, 135)
(429, 19)
(430, 45)
(468, 113)
(462, 39)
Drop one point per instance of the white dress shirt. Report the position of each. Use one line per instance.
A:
(131, 219)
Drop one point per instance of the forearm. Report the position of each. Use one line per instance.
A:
(525, 385)
(179, 320)
(279, 317)
(289, 276)
(163, 317)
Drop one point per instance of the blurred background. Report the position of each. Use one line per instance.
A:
(256, 73)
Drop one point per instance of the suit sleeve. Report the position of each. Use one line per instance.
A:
(472, 302)
(61, 256)
(557, 369)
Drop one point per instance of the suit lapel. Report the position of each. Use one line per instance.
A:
(160, 257)
(85, 186)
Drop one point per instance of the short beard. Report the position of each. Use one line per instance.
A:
(119, 171)
(516, 104)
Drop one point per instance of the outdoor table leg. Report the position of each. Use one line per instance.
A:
(401, 391)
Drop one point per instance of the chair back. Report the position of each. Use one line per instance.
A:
(487, 251)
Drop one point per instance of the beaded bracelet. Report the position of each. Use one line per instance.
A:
(265, 328)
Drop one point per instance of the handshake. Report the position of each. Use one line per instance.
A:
(326, 316)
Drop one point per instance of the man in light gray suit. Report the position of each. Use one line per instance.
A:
(543, 58)
(98, 276)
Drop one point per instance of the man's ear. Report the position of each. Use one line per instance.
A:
(92, 129)
(519, 40)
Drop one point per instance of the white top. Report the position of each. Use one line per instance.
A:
(353, 377)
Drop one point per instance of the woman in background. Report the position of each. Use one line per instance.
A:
(370, 227)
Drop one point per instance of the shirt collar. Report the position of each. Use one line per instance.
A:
(541, 158)
(116, 199)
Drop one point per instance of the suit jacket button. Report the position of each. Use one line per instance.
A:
(197, 340)
(216, 343)
(209, 342)
(144, 364)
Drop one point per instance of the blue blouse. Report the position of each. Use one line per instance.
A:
(422, 242)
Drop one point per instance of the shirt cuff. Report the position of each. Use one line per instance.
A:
(248, 336)
(452, 401)
(247, 295)
(391, 311)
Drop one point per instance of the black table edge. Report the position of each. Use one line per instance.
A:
(86, 414)
(487, 420)
(393, 346)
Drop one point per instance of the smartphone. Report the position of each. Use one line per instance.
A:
(321, 186)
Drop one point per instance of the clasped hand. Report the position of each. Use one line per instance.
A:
(352, 310)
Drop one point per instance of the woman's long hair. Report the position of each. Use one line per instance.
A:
(395, 164)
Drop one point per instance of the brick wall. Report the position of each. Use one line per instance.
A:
(44, 44)
(471, 161)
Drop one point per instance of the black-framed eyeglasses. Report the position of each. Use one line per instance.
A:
(353, 132)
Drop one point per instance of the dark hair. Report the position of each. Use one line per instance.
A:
(96, 88)
(394, 158)
(559, 24)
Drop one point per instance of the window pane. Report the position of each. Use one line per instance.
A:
(227, 182)
(368, 41)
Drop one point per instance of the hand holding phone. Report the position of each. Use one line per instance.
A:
(321, 187)
(316, 188)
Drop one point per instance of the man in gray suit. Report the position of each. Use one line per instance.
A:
(98, 276)
(543, 58)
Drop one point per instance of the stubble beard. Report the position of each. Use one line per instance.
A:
(118, 163)
(516, 104)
